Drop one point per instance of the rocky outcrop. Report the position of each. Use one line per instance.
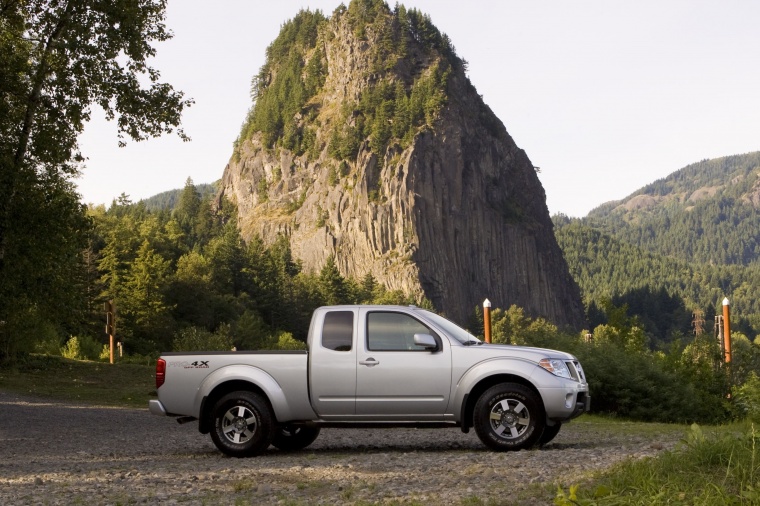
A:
(456, 215)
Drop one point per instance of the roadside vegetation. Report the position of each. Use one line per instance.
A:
(711, 466)
(127, 384)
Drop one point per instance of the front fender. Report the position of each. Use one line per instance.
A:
(497, 366)
(291, 406)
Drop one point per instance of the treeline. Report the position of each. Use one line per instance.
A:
(170, 199)
(185, 279)
(608, 269)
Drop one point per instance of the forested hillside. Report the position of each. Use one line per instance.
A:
(676, 246)
(184, 279)
(708, 212)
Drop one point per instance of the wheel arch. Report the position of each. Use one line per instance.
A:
(471, 398)
(208, 401)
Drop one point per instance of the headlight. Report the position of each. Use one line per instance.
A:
(556, 366)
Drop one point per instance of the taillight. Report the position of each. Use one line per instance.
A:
(160, 372)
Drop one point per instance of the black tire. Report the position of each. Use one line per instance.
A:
(242, 424)
(509, 417)
(550, 432)
(290, 438)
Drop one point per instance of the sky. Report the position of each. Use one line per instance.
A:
(605, 96)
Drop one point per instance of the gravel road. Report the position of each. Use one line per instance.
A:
(58, 453)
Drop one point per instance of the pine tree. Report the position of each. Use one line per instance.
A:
(332, 285)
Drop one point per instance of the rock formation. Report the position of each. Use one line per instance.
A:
(446, 207)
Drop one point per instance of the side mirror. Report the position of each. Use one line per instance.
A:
(426, 341)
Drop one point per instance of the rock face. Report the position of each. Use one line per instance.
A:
(455, 213)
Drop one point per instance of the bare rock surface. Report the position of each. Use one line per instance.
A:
(59, 453)
(456, 215)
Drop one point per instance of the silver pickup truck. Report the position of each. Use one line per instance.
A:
(373, 366)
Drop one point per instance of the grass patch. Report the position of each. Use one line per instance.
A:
(128, 385)
(719, 466)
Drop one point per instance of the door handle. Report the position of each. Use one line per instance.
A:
(370, 362)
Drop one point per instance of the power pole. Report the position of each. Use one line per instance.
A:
(698, 322)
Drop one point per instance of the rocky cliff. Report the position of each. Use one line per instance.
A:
(368, 143)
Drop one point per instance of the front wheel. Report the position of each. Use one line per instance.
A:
(291, 438)
(509, 416)
(242, 424)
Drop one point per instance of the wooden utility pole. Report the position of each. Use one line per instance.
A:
(110, 325)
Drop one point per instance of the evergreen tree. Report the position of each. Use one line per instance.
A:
(332, 285)
(141, 304)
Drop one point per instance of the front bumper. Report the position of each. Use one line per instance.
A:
(582, 404)
(563, 404)
(156, 408)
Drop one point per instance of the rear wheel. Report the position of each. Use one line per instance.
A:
(550, 432)
(294, 437)
(242, 424)
(509, 416)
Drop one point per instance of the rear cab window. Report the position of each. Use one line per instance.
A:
(338, 330)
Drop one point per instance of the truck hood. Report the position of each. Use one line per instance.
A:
(525, 352)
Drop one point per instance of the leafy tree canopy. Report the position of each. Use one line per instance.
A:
(58, 58)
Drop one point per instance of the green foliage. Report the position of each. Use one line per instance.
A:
(658, 289)
(513, 327)
(747, 398)
(702, 213)
(72, 349)
(199, 339)
(712, 467)
(393, 108)
(646, 386)
(283, 86)
(332, 286)
(168, 200)
(81, 348)
(56, 60)
(689, 239)
(625, 377)
(285, 341)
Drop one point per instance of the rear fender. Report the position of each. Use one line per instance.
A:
(257, 377)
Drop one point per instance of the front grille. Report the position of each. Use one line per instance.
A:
(576, 371)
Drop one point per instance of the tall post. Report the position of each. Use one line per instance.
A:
(110, 318)
(487, 319)
(727, 329)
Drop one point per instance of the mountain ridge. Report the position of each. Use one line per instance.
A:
(698, 239)
(707, 212)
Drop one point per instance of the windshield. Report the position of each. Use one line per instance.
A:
(451, 328)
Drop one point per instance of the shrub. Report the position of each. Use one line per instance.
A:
(747, 398)
(81, 348)
(286, 341)
(71, 349)
(640, 386)
(199, 339)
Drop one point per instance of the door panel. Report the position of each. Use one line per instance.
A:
(394, 376)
